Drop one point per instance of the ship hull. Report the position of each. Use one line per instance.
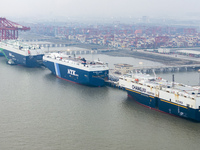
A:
(1, 54)
(165, 106)
(76, 75)
(28, 61)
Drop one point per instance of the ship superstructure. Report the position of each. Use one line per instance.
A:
(77, 69)
(169, 97)
(17, 52)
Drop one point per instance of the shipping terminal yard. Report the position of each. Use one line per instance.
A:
(99, 75)
(113, 81)
(175, 60)
(178, 52)
(120, 40)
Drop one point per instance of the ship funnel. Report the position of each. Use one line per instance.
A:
(154, 73)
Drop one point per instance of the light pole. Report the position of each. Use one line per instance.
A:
(48, 48)
(68, 51)
(92, 54)
(141, 70)
(199, 76)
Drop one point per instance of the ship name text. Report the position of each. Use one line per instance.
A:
(72, 72)
(138, 88)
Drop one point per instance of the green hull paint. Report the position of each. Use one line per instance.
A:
(3, 53)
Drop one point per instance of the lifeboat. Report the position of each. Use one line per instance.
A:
(136, 80)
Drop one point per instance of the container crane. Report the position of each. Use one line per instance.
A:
(9, 30)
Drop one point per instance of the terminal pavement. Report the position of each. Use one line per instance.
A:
(177, 56)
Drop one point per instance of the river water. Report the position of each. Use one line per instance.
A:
(41, 112)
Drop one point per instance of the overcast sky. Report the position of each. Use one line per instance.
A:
(98, 8)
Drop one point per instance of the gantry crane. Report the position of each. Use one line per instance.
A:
(9, 30)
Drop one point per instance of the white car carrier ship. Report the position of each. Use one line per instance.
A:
(17, 52)
(77, 69)
(159, 94)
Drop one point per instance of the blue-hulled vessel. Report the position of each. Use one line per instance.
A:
(1, 54)
(17, 52)
(159, 94)
(77, 69)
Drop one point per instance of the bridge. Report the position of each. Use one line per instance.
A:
(158, 69)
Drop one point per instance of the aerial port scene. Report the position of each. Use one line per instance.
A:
(100, 75)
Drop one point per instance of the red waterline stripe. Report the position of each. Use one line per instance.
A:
(72, 81)
(68, 80)
(152, 108)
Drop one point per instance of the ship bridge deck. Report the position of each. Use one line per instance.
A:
(161, 84)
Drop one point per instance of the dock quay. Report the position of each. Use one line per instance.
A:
(71, 50)
(114, 77)
(159, 69)
(49, 44)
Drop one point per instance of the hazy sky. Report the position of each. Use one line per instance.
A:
(98, 8)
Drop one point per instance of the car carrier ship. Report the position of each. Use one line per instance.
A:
(17, 52)
(77, 69)
(159, 94)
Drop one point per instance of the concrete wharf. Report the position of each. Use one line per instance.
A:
(158, 69)
(69, 48)
(52, 45)
(75, 50)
